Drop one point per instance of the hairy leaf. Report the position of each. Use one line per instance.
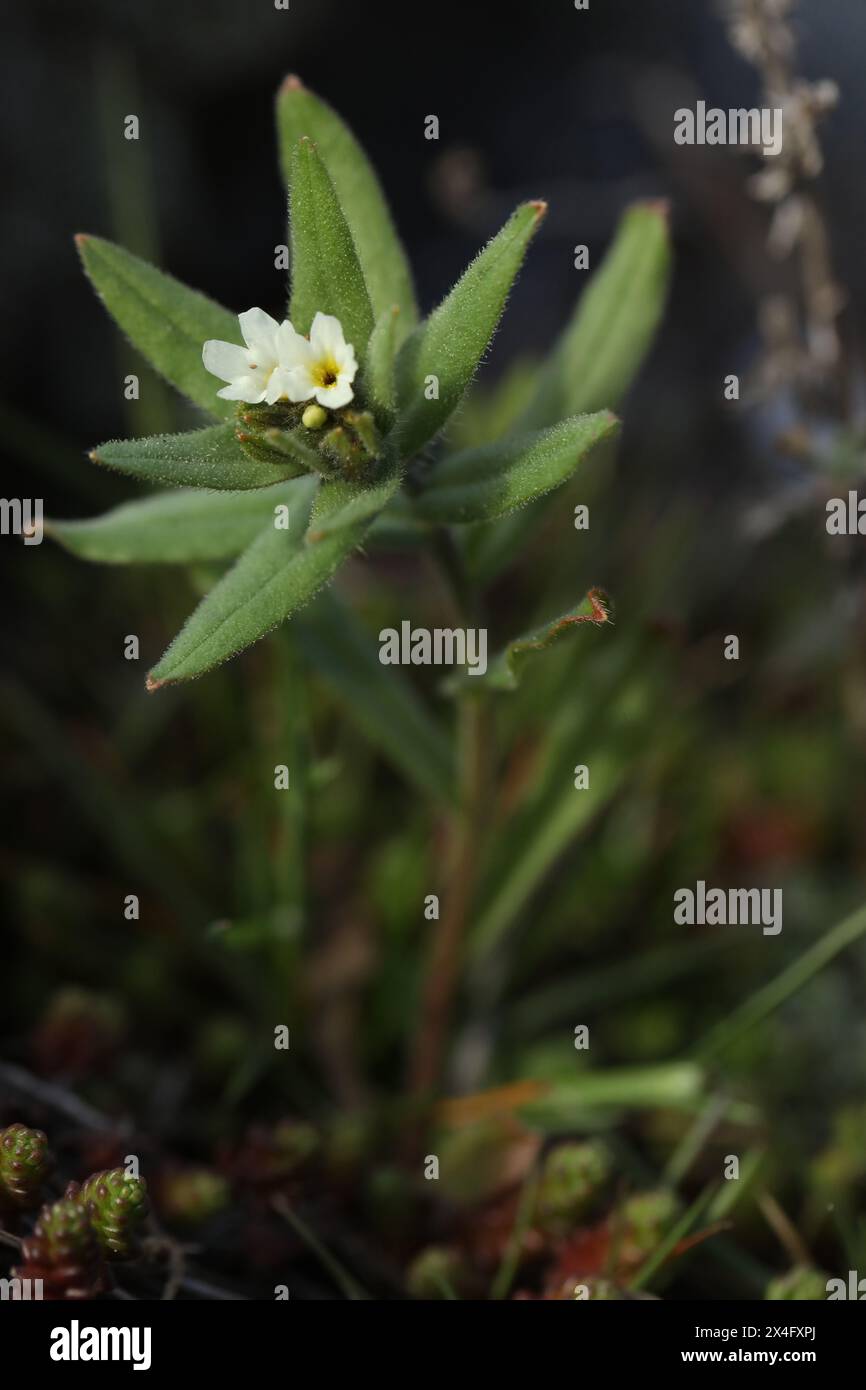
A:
(326, 273)
(340, 504)
(506, 668)
(210, 458)
(379, 366)
(480, 484)
(275, 576)
(602, 348)
(383, 260)
(442, 355)
(183, 527)
(165, 320)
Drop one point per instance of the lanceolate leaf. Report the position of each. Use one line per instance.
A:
(480, 484)
(382, 258)
(209, 458)
(183, 527)
(275, 576)
(505, 670)
(326, 273)
(598, 355)
(603, 346)
(379, 698)
(437, 363)
(165, 320)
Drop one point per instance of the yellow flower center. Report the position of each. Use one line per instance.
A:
(326, 372)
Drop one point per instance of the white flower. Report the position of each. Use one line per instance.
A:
(256, 372)
(323, 367)
(279, 364)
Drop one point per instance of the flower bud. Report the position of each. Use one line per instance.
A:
(572, 1180)
(314, 417)
(117, 1205)
(24, 1164)
(64, 1253)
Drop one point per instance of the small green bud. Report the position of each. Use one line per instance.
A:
(117, 1205)
(645, 1218)
(339, 444)
(190, 1196)
(314, 417)
(572, 1180)
(800, 1285)
(364, 426)
(438, 1272)
(24, 1164)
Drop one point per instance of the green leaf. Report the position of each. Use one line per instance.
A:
(183, 527)
(340, 504)
(480, 484)
(450, 344)
(598, 355)
(326, 273)
(379, 698)
(505, 669)
(379, 366)
(672, 1085)
(274, 577)
(210, 458)
(382, 258)
(602, 348)
(165, 320)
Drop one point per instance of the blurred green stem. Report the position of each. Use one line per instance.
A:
(464, 847)
(443, 967)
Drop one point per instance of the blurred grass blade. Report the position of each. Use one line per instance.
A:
(671, 1085)
(482, 484)
(785, 985)
(182, 527)
(165, 320)
(449, 345)
(602, 348)
(210, 458)
(383, 260)
(379, 699)
(274, 577)
(326, 273)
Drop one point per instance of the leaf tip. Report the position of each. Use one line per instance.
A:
(539, 206)
(151, 685)
(291, 83)
(659, 207)
(81, 239)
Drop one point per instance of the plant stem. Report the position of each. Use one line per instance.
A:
(463, 853)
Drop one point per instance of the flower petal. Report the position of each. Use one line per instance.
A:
(335, 396)
(326, 336)
(244, 389)
(292, 347)
(299, 384)
(259, 329)
(225, 360)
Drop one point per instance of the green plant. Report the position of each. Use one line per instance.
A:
(329, 436)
